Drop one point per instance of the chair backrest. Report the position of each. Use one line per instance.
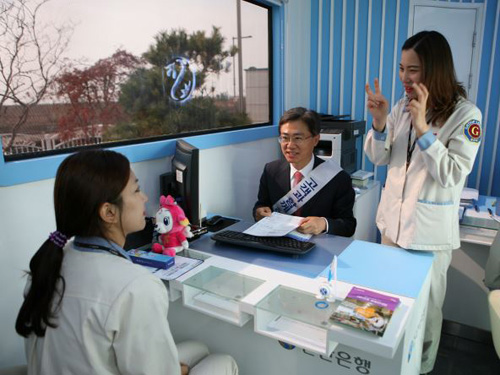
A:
(492, 270)
(494, 304)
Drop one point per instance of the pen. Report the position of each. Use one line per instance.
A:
(335, 276)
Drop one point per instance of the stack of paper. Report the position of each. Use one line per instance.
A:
(361, 178)
(469, 197)
(482, 213)
(278, 225)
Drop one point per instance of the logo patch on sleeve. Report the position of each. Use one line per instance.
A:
(472, 131)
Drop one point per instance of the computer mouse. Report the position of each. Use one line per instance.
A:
(214, 220)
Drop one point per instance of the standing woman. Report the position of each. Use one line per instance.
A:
(429, 140)
(88, 309)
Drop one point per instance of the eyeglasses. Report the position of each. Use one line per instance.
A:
(298, 140)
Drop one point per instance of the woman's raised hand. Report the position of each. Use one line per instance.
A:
(377, 105)
(418, 109)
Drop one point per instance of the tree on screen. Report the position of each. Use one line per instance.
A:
(92, 94)
(30, 58)
(145, 100)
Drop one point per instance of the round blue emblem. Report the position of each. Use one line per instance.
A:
(286, 345)
(472, 131)
(321, 305)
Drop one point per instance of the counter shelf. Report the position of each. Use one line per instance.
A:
(290, 315)
(174, 288)
(218, 292)
(480, 223)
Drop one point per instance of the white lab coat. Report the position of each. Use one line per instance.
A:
(112, 320)
(419, 206)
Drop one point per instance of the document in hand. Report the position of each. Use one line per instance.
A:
(276, 225)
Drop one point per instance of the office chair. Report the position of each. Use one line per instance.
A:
(16, 370)
(494, 303)
(492, 270)
(492, 281)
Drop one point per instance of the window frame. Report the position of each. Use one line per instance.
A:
(16, 170)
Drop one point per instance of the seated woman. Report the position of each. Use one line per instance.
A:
(88, 308)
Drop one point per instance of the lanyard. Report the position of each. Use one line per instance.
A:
(99, 247)
(411, 146)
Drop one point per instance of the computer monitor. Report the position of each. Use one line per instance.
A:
(183, 182)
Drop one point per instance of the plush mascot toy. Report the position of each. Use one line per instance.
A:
(172, 228)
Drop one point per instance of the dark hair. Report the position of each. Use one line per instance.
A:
(309, 117)
(84, 182)
(438, 74)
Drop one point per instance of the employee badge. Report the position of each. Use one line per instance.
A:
(472, 131)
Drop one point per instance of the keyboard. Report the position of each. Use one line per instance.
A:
(279, 244)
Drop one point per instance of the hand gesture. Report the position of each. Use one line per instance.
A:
(184, 369)
(312, 224)
(262, 212)
(377, 105)
(418, 108)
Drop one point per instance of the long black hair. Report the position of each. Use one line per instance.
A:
(308, 116)
(439, 75)
(84, 182)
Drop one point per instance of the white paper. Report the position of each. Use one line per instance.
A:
(472, 213)
(276, 225)
(181, 266)
(361, 175)
(469, 194)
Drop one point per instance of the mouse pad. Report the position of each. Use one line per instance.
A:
(223, 223)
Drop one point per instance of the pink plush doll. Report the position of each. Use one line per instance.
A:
(172, 226)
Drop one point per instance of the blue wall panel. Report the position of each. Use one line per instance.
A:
(374, 36)
(325, 55)
(337, 56)
(314, 53)
(484, 79)
(490, 138)
(359, 100)
(348, 58)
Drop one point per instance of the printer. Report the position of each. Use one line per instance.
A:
(338, 138)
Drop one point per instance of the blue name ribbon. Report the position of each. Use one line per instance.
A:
(307, 188)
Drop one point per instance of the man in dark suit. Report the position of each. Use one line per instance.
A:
(330, 210)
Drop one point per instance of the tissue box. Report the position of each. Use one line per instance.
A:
(150, 259)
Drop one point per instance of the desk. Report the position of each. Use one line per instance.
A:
(347, 350)
(466, 300)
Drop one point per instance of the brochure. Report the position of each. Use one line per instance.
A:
(181, 266)
(366, 310)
